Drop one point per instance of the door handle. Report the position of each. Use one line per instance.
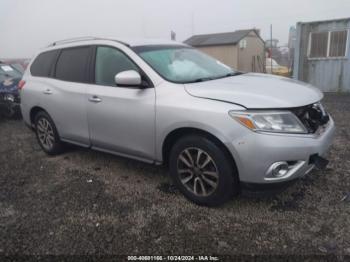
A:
(47, 92)
(95, 99)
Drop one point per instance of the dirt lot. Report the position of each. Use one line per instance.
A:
(86, 202)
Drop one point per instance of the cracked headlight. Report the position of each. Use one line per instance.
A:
(270, 121)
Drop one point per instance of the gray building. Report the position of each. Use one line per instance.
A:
(322, 55)
(242, 49)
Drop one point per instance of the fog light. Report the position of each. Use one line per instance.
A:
(279, 169)
(282, 170)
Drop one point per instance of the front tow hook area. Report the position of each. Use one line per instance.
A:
(320, 162)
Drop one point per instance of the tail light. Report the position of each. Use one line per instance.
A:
(21, 84)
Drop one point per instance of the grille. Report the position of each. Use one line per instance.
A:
(312, 116)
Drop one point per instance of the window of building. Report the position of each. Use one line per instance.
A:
(338, 43)
(319, 42)
(243, 44)
(72, 64)
(109, 62)
(328, 44)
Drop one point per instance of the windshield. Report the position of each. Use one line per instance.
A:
(183, 64)
(7, 71)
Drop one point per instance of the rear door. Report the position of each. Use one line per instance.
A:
(121, 118)
(64, 95)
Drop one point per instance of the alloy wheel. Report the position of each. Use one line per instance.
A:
(45, 133)
(197, 171)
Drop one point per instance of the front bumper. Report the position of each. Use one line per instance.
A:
(4, 101)
(257, 152)
(8, 107)
(13, 105)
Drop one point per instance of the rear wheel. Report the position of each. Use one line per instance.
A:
(202, 171)
(47, 134)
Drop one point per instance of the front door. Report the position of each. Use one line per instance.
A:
(121, 119)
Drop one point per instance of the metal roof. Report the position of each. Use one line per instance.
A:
(326, 21)
(218, 38)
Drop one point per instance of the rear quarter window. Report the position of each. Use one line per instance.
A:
(43, 63)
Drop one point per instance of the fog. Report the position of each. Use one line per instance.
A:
(28, 25)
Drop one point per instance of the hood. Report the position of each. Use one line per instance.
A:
(257, 91)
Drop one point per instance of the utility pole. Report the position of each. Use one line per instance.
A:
(143, 26)
(271, 48)
(192, 22)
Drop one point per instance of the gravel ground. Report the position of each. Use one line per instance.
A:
(87, 202)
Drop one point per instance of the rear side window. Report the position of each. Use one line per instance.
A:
(72, 64)
(42, 65)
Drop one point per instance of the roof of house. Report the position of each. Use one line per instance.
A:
(218, 38)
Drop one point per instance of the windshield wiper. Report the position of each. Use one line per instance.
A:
(233, 74)
(202, 79)
(228, 75)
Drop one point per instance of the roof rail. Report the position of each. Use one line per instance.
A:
(84, 38)
(70, 40)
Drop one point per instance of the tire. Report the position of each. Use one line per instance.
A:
(47, 134)
(212, 180)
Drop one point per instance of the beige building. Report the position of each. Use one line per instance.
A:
(242, 50)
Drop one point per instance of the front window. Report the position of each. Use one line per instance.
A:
(183, 64)
(109, 62)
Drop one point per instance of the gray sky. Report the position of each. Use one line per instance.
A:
(27, 25)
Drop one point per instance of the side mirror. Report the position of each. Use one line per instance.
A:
(128, 78)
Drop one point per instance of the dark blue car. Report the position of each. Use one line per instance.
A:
(9, 93)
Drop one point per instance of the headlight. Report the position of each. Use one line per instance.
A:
(9, 97)
(277, 122)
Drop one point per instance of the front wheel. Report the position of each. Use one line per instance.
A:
(202, 171)
(47, 134)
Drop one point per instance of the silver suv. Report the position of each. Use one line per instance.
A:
(165, 102)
